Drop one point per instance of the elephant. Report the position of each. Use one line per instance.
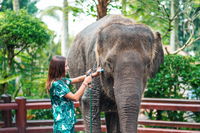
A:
(129, 53)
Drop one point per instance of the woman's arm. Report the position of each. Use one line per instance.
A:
(78, 79)
(81, 78)
(76, 96)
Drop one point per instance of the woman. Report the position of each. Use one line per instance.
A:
(61, 96)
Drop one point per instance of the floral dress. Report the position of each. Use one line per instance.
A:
(63, 108)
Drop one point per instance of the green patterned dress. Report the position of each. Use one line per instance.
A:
(63, 108)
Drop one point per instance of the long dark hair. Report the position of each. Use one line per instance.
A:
(56, 69)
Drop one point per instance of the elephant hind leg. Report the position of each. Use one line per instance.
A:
(112, 122)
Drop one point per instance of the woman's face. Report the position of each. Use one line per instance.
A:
(66, 67)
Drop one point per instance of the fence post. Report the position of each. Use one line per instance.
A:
(6, 114)
(21, 114)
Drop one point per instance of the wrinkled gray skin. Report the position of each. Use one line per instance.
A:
(129, 53)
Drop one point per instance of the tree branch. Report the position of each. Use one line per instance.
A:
(186, 45)
(168, 16)
(167, 51)
(189, 42)
(21, 50)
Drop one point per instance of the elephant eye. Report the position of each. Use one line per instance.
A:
(109, 61)
(109, 65)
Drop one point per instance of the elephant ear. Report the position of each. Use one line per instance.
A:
(99, 48)
(97, 51)
(157, 55)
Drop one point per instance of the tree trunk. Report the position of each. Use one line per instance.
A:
(102, 8)
(16, 6)
(10, 58)
(65, 31)
(9, 69)
(173, 34)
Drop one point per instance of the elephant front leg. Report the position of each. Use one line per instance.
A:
(112, 122)
(91, 111)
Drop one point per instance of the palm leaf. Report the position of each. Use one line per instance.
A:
(51, 11)
(10, 78)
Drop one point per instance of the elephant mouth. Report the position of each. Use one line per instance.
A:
(107, 84)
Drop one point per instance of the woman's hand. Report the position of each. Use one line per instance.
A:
(98, 71)
(79, 93)
(88, 72)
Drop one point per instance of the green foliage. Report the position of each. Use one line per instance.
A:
(21, 37)
(34, 69)
(29, 5)
(7, 79)
(22, 30)
(194, 80)
(177, 75)
(45, 114)
(172, 80)
(32, 81)
(178, 78)
(88, 7)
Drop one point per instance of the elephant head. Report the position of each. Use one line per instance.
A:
(127, 52)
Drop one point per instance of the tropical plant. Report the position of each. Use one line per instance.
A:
(19, 32)
(177, 78)
(29, 5)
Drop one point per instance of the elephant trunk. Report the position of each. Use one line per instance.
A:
(128, 88)
(128, 99)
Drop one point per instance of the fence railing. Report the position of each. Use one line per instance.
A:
(22, 125)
